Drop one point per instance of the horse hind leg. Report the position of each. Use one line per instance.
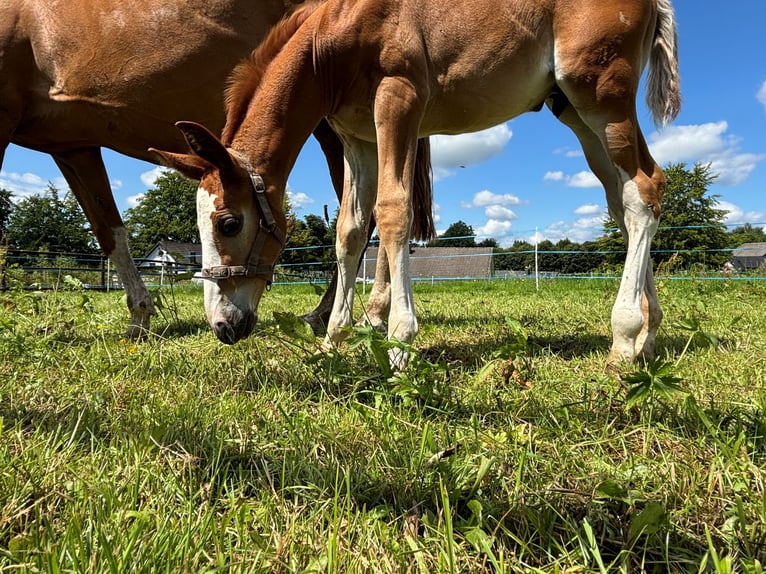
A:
(601, 164)
(634, 187)
(86, 175)
(652, 312)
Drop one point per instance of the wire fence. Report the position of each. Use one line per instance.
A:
(54, 270)
(45, 270)
(315, 263)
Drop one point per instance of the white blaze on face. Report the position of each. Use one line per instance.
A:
(210, 256)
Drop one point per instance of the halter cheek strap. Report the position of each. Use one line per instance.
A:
(268, 226)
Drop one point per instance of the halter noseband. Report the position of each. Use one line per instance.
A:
(267, 226)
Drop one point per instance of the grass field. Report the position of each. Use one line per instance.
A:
(504, 447)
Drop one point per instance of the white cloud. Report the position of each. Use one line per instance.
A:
(736, 216)
(22, 185)
(733, 168)
(581, 179)
(688, 143)
(580, 230)
(149, 177)
(115, 184)
(589, 209)
(499, 217)
(299, 200)
(705, 143)
(451, 152)
(761, 95)
(435, 210)
(493, 228)
(569, 152)
(134, 200)
(554, 176)
(486, 198)
(499, 213)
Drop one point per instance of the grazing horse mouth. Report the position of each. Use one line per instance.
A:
(229, 332)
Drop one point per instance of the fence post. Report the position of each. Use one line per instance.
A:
(537, 269)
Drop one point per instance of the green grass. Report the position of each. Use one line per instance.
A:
(504, 447)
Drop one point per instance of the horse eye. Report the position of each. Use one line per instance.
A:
(229, 225)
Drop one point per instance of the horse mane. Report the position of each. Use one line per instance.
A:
(247, 75)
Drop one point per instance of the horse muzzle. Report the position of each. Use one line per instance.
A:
(229, 330)
(232, 308)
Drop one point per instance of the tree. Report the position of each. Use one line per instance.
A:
(48, 223)
(518, 257)
(322, 237)
(298, 235)
(690, 225)
(611, 246)
(746, 234)
(319, 230)
(462, 233)
(6, 207)
(168, 211)
(488, 242)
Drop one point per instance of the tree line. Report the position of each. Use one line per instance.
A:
(692, 233)
(692, 229)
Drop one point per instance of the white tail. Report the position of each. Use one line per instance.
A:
(663, 93)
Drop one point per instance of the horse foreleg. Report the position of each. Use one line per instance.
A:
(352, 232)
(378, 305)
(87, 178)
(332, 147)
(397, 117)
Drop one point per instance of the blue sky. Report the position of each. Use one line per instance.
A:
(529, 174)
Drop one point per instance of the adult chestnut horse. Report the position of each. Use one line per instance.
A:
(385, 72)
(79, 75)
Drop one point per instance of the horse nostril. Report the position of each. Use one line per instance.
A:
(224, 332)
(229, 333)
(249, 325)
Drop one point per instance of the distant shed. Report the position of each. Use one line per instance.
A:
(749, 256)
(438, 262)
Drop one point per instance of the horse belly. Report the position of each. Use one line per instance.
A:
(477, 80)
(483, 101)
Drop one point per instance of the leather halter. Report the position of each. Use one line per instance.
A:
(267, 226)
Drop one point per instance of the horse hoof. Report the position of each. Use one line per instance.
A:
(137, 332)
(317, 322)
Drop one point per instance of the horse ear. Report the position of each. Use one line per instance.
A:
(192, 166)
(206, 145)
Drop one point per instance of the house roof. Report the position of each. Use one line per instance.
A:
(180, 251)
(439, 262)
(750, 250)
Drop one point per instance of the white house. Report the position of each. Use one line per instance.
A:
(180, 256)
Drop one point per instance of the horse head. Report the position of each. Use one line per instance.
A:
(242, 230)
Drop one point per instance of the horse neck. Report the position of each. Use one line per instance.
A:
(284, 111)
